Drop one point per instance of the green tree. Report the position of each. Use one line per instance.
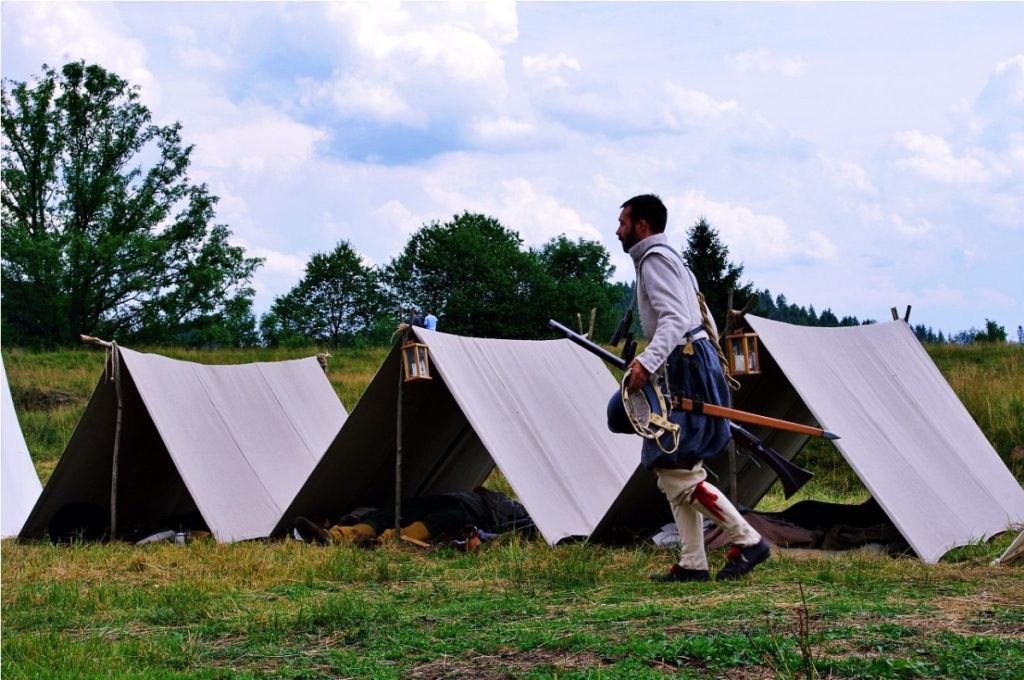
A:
(708, 259)
(103, 232)
(338, 301)
(993, 332)
(581, 271)
(473, 273)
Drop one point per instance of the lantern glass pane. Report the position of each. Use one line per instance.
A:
(409, 359)
(739, 359)
(421, 362)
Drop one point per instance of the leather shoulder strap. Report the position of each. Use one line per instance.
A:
(678, 258)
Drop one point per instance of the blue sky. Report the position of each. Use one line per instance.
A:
(855, 156)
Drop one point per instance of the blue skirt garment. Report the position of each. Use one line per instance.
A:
(699, 377)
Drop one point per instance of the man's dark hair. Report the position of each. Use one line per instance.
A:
(648, 207)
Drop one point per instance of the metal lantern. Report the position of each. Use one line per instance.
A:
(743, 354)
(415, 362)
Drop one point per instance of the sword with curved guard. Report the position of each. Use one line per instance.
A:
(683, 404)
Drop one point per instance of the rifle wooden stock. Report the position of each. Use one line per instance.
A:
(684, 404)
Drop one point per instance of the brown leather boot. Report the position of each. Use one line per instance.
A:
(312, 532)
(417, 531)
(358, 534)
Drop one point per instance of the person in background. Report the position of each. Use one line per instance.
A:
(430, 322)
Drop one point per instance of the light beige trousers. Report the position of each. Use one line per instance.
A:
(690, 496)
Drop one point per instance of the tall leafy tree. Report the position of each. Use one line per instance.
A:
(581, 270)
(338, 301)
(473, 273)
(708, 258)
(103, 231)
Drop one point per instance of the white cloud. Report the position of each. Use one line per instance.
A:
(57, 33)
(400, 58)
(752, 237)
(191, 54)
(461, 184)
(358, 97)
(290, 265)
(657, 106)
(393, 216)
(1004, 92)
(912, 228)
(933, 158)
(847, 176)
(253, 139)
(684, 107)
(503, 131)
(538, 216)
(882, 221)
(548, 71)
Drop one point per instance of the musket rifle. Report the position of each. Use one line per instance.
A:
(792, 476)
(624, 332)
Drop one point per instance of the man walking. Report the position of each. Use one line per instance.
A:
(681, 357)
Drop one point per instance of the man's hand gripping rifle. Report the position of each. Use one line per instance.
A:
(791, 476)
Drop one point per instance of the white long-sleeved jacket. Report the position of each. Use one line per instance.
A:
(666, 295)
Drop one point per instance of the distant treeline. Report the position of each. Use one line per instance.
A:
(104, 233)
(780, 309)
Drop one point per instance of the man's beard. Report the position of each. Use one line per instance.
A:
(628, 241)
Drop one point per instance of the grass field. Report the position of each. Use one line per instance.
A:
(516, 608)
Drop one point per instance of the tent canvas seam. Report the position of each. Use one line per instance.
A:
(287, 415)
(231, 433)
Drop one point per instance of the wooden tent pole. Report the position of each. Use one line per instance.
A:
(733, 472)
(398, 437)
(115, 360)
(115, 371)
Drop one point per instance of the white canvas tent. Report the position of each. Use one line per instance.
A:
(536, 409)
(20, 485)
(234, 443)
(902, 429)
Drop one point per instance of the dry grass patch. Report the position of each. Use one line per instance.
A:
(506, 663)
